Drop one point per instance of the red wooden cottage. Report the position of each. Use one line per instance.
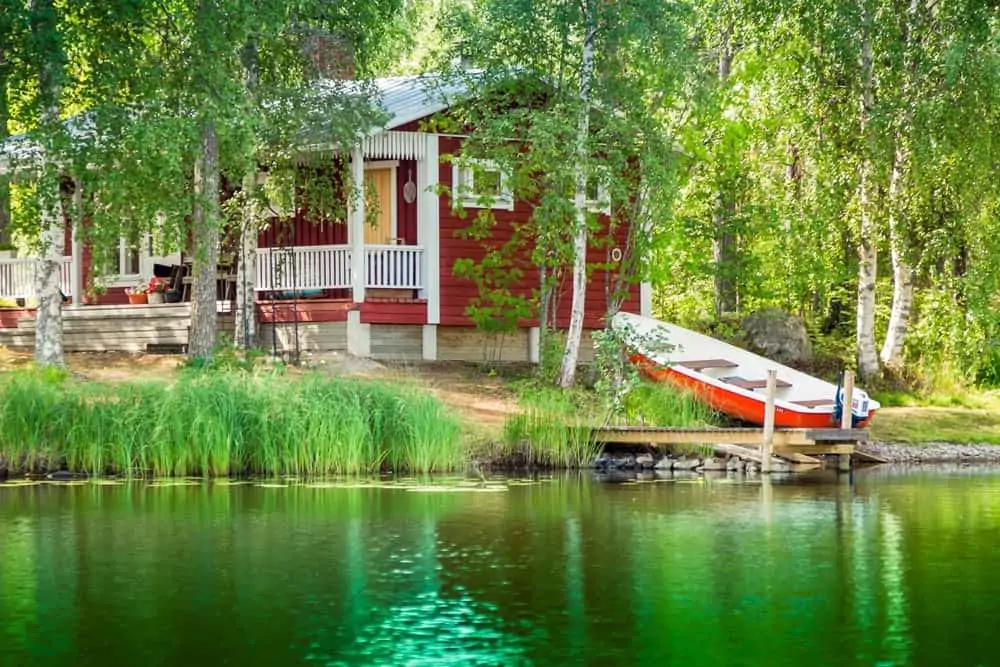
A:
(382, 288)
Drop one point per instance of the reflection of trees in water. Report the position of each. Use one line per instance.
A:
(898, 570)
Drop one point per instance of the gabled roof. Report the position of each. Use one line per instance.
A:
(409, 98)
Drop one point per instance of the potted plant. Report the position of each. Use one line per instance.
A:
(157, 289)
(8, 251)
(93, 292)
(137, 294)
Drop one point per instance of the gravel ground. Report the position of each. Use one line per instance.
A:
(935, 452)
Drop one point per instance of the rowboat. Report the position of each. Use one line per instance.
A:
(733, 380)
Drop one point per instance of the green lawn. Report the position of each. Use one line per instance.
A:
(936, 424)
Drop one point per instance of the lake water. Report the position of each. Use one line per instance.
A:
(897, 568)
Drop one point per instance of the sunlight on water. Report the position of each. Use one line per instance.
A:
(897, 568)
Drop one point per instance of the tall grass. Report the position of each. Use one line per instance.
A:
(554, 427)
(216, 423)
(657, 404)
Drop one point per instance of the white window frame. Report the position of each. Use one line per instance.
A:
(603, 202)
(128, 279)
(464, 171)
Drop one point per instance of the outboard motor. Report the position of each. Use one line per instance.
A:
(859, 404)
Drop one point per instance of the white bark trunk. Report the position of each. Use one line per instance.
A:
(48, 320)
(867, 250)
(246, 278)
(902, 274)
(205, 220)
(571, 355)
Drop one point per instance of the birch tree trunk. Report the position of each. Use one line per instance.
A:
(4, 133)
(205, 220)
(48, 319)
(902, 274)
(567, 374)
(246, 276)
(724, 241)
(868, 365)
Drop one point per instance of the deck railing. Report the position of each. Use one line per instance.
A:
(329, 267)
(394, 266)
(17, 277)
(304, 268)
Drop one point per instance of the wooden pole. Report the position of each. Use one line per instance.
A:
(765, 451)
(846, 414)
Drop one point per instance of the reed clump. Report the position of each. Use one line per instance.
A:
(553, 428)
(222, 423)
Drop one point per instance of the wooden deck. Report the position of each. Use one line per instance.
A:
(785, 442)
(131, 328)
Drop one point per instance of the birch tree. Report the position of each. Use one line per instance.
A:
(567, 373)
(48, 50)
(572, 96)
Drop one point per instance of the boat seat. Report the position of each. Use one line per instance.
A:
(701, 364)
(754, 384)
(814, 403)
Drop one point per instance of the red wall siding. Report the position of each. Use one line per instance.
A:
(9, 317)
(304, 232)
(406, 214)
(456, 293)
(394, 311)
(308, 311)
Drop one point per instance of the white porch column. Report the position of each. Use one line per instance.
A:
(430, 342)
(534, 345)
(76, 249)
(429, 227)
(646, 299)
(359, 335)
(356, 233)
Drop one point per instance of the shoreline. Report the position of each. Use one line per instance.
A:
(933, 452)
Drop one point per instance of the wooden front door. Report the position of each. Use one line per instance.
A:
(379, 207)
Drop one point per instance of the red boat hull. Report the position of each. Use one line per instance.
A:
(735, 404)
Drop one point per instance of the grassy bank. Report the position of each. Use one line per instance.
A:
(553, 427)
(213, 423)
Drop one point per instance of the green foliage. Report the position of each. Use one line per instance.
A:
(222, 423)
(553, 429)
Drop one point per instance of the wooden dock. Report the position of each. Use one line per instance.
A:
(794, 444)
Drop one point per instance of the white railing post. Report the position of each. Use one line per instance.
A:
(356, 233)
(428, 228)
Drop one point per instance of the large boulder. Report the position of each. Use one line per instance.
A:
(777, 335)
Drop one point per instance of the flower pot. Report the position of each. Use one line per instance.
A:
(138, 298)
(8, 254)
(155, 297)
(173, 296)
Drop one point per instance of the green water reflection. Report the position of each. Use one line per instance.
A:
(898, 568)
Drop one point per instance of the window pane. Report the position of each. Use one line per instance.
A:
(593, 189)
(487, 183)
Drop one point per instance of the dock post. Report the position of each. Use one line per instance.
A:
(846, 423)
(765, 450)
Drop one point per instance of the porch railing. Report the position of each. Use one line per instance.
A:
(394, 266)
(329, 267)
(304, 268)
(17, 277)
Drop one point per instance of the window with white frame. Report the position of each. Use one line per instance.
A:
(127, 261)
(481, 184)
(598, 200)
